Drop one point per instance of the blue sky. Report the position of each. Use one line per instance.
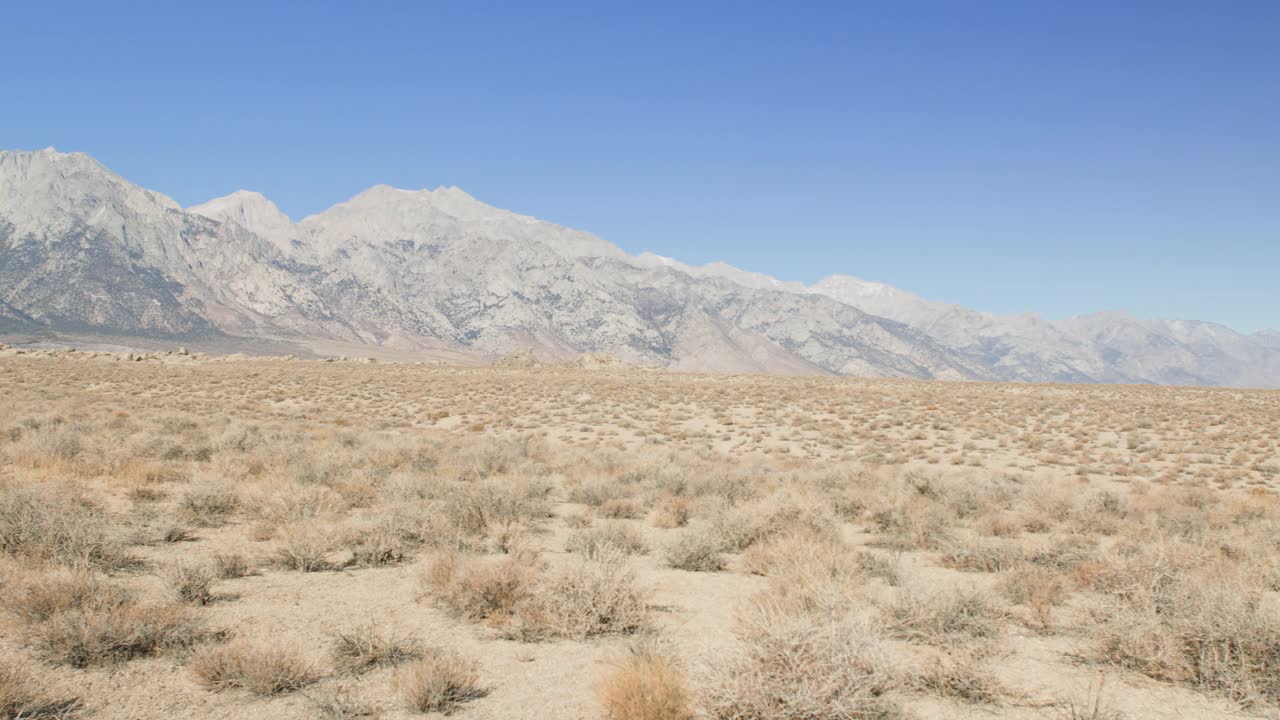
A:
(1061, 157)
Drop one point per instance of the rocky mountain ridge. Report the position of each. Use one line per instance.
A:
(83, 249)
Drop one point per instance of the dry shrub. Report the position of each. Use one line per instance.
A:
(944, 618)
(962, 678)
(888, 569)
(622, 509)
(794, 668)
(380, 545)
(609, 537)
(1037, 588)
(586, 599)
(1215, 634)
(230, 566)
(367, 647)
(916, 523)
(439, 682)
(306, 547)
(210, 505)
(478, 588)
(673, 511)
(260, 669)
(476, 509)
(192, 584)
(36, 596)
(23, 696)
(987, 556)
(807, 574)
(102, 634)
(645, 684)
(50, 524)
(737, 528)
(696, 551)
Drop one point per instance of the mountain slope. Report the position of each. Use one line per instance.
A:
(81, 248)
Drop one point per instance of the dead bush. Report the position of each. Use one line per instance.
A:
(23, 696)
(696, 551)
(944, 618)
(306, 547)
(673, 511)
(51, 524)
(260, 669)
(103, 634)
(192, 584)
(210, 505)
(367, 646)
(439, 682)
(477, 588)
(594, 542)
(586, 599)
(645, 684)
(788, 666)
(229, 566)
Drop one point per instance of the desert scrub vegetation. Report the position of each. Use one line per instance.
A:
(941, 618)
(523, 599)
(103, 633)
(598, 542)
(25, 696)
(440, 681)
(369, 646)
(46, 523)
(260, 668)
(786, 666)
(645, 684)
(855, 546)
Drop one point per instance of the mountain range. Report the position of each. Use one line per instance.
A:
(83, 250)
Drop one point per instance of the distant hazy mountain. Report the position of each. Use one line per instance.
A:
(82, 249)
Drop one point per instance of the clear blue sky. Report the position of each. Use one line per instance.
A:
(1061, 157)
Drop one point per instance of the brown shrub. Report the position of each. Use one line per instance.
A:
(645, 685)
(367, 647)
(260, 669)
(586, 599)
(23, 696)
(696, 551)
(673, 511)
(594, 542)
(944, 618)
(439, 682)
(192, 584)
(791, 667)
(102, 634)
(478, 588)
(49, 524)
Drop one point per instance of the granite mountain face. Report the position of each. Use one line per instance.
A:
(81, 249)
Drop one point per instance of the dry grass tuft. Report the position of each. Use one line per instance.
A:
(25, 697)
(192, 584)
(260, 669)
(100, 634)
(790, 667)
(645, 685)
(944, 618)
(610, 537)
(439, 682)
(46, 524)
(696, 551)
(367, 647)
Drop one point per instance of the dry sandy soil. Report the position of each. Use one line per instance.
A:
(223, 538)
